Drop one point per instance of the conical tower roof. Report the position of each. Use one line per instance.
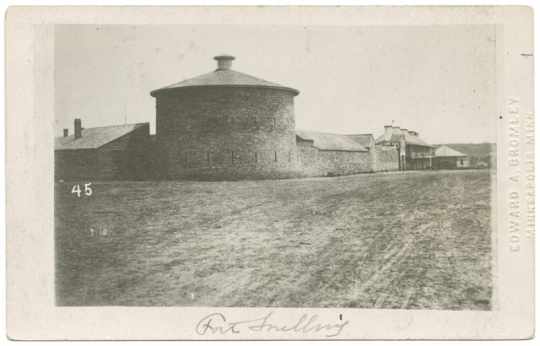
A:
(223, 77)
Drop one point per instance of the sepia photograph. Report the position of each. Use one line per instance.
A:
(299, 166)
(270, 173)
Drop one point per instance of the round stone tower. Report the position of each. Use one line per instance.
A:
(226, 125)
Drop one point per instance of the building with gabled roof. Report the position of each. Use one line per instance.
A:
(448, 158)
(111, 152)
(414, 153)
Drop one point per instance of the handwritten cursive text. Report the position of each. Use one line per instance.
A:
(217, 323)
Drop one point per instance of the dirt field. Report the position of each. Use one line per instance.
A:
(403, 240)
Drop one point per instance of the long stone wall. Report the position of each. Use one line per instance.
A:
(302, 162)
(314, 162)
(386, 158)
(229, 165)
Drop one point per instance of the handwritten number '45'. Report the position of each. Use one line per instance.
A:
(87, 190)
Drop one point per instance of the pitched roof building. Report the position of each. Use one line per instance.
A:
(414, 153)
(103, 152)
(448, 158)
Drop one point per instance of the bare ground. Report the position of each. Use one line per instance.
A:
(404, 240)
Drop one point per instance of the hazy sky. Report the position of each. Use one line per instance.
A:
(436, 80)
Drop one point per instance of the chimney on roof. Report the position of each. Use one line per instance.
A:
(66, 132)
(388, 129)
(224, 61)
(78, 128)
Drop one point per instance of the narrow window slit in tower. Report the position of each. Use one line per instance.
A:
(275, 154)
(256, 159)
(232, 156)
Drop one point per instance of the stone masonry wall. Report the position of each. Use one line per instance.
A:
(314, 162)
(386, 158)
(304, 162)
(227, 132)
(450, 162)
(77, 164)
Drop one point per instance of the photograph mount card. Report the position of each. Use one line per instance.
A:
(275, 174)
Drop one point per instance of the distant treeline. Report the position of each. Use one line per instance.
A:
(478, 152)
